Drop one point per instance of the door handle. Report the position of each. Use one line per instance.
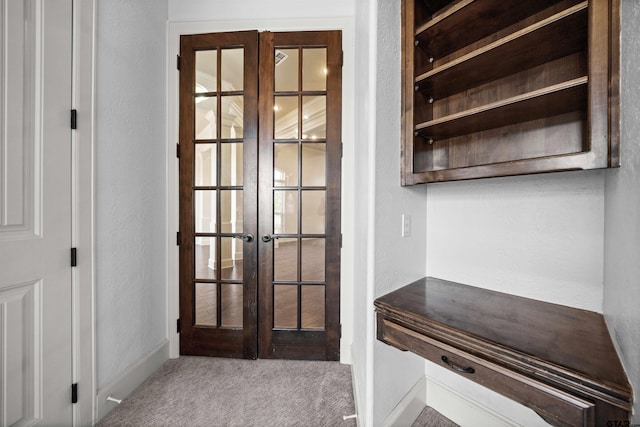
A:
(268, 237)
(465, 369)
(246, 237)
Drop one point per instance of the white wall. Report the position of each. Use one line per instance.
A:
(622, 210)
(398, 260)
(218, 10)
(364, 203)
(538, 236)
(130, 175)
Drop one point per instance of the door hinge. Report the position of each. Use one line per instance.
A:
(341, 149)
(74, 393)
(74, 119)
(74, 257)
(178, 326)
(342, 58)
(178, 238)
(178, 62)
(178, 150)
(340, 330)
(340, 241)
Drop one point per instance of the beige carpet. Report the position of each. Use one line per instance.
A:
(429, 417)
(201, 391)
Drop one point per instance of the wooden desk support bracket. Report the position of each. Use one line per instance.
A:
(557, 360)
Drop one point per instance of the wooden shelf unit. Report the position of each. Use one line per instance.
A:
(484, 75)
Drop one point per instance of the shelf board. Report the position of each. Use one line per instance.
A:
(511, 54)
(471, 20)
(433, 6)
(546, 102)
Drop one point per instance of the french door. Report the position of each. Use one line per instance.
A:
(260, 156)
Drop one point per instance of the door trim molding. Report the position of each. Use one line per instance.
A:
(174, 30)
(82, 194)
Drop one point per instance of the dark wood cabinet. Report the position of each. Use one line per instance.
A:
(557, 360)
(497, 88)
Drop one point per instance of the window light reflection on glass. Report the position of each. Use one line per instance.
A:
(200, 89)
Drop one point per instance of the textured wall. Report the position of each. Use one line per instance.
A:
(535, 236)
(130, 183)
(398, 260)
(212, 10)
(364, 173)
(622, 209)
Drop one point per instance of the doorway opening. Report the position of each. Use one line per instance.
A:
(260, 156)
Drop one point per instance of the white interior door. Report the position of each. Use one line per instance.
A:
(35, 212)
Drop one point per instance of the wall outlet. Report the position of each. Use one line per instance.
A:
(406, 225)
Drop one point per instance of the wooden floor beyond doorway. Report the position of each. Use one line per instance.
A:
(286, 311)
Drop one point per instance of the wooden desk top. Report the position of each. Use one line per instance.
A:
(534, 337)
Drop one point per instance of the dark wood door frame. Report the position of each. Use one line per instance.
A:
(258, 338)
(219, 342)
(299, 344)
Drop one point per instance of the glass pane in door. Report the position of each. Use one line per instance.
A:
(206, 71)
(285, 112)
(231, 258)
(314, 165)
(313, 211)
(232, 65)
(285, 163)
(231, 208)
(205, 255)
(285, 306)
(313, 265)
(231, 166)
(231, 306)
(206, 304)
(285, 212)
(286, 70)
(285, 260)
(206, 117)
(314, 69)
(314, 117)
(231, 117)
(206, 165)
(312, 300)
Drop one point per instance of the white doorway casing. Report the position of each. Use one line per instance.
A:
(175, 29)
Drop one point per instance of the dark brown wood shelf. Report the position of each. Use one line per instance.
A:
(546, 102)
(557, 360)
(467, 21)
(498, 88)
(510, 54)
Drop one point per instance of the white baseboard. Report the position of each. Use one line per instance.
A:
(409, 407)
(345, 352)
(460, 409)
(453, 405)
(356, 398)
(130, 379)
